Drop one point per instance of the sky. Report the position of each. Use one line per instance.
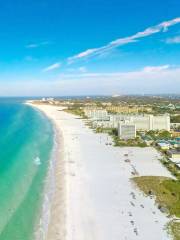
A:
(90, 47)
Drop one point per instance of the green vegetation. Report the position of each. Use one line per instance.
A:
(137, 142)
(113, 132)
(172, 167)
(110, 131)
(175, 119)
(167, 196)
(76, 111)
(88, 124)
(166, 191)
(158, 135)
(174, 229)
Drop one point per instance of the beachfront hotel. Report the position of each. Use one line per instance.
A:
(150, 122)
(127, 131)
(146, 122)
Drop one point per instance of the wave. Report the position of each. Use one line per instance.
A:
(49, 190)
(37, 161)
(26, 142)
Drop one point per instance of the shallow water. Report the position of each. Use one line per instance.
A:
(26, 141)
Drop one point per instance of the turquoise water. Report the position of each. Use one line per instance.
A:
(26, 141)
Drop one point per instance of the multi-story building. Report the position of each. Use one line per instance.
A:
(127, 131)
(150, 122)
(161, 122)
(96, 114)
(174, 155)
(128, 109)
(142, 122)
(122, 109)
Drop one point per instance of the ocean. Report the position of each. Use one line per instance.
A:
(26, 143)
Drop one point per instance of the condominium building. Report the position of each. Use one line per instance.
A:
(96, 114)
(127, 131)
(150, 122)
(128, 109)
(122, 109)
(142, 122)
(161, 122)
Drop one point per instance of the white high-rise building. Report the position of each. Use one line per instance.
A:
(161, 123)
(142, 122)
(150, 122)
(127, 131)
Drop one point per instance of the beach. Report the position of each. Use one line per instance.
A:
(94, 197)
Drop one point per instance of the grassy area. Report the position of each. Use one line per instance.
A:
(167, 196)
(110, 131)
(158, 135)
(137, 142)
(166, 191)
(76, 111)
(175, 118)
(172, 167)
(174, 229)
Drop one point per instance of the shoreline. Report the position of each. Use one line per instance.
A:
(58, 204)
(54, 202)
(95, 198)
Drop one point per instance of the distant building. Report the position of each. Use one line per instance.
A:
(50, 99)
(127, 131)
(175, 133)
(171, 106)
(115, 95)
(128, 109)
(163, 145)
(122, 109)
(104, 124)
(96, 114)
(174, 156)
(148, 140)
(174, 143)
(175, 125)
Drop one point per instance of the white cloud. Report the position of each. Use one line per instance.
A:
(150, 69)
(82, 69)
(30, 59)
(52, 67)
(82, 55)
(166, 80)
(173, 40)
(33, 45)
(36, 45)
(150, 79)
(162, 27)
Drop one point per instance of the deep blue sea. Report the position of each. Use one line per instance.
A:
(26, 142)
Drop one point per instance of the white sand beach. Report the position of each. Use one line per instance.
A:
(94, 197)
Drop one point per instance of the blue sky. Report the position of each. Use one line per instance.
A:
(75, 47)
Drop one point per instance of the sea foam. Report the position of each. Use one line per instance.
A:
(42, 229)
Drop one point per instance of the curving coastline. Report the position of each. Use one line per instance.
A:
(94, 197)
